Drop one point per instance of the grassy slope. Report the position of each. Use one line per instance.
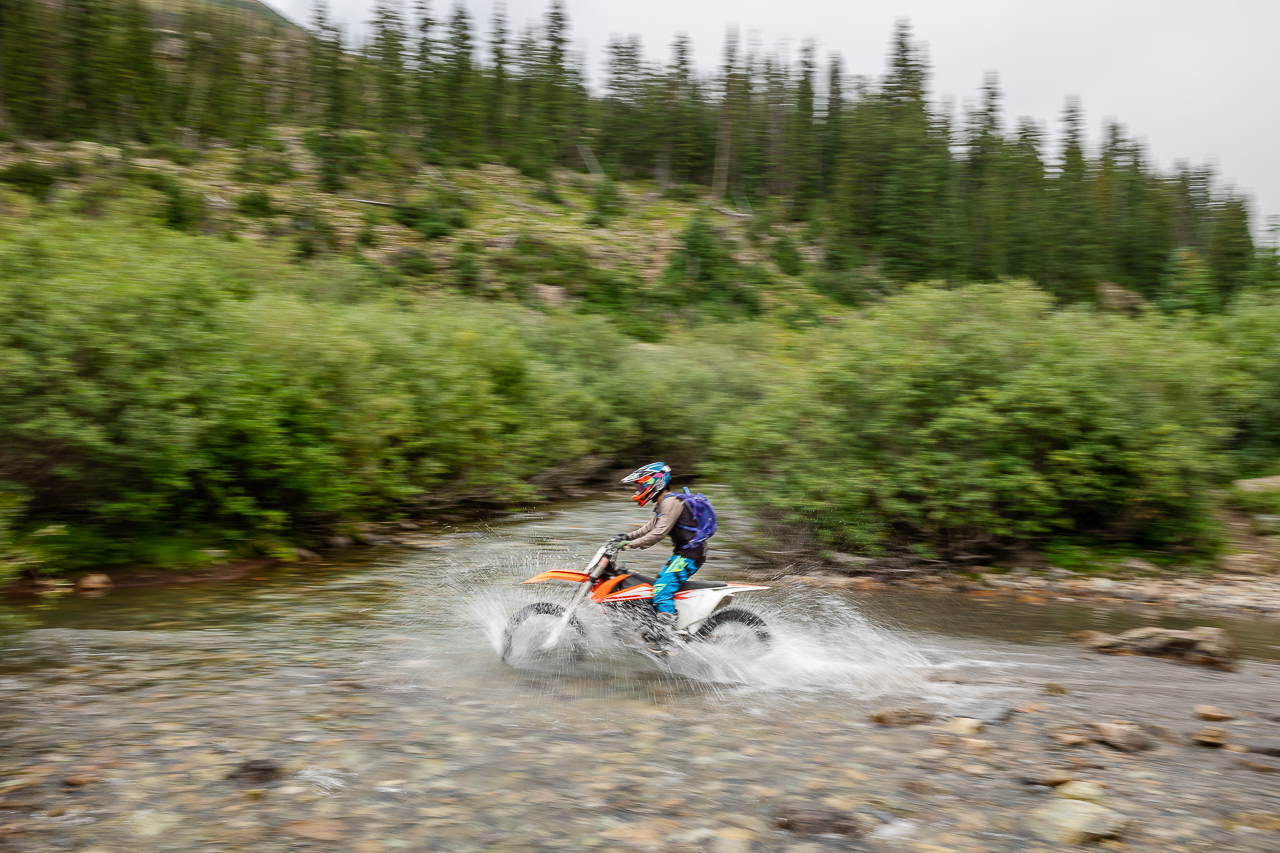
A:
(252, 8)
(504, 205)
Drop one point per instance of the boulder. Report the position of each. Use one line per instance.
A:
(1210, 736)
(990, 713)
(820, 822)
(1125, 737)
(963, 726)
(1264, 525)
(1260, 484)
(1074, 822)
(899, 717)
(1212, 714)
(1090, 792)
(1207, 646)
(94, 582)
(256, 771)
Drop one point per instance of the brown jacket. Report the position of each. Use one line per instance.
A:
(668, 513)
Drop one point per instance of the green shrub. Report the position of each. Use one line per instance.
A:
(682, 192)
(1250, 331)
(148, 388)
(703, 272)
(340, 154)
(981, 416)
(466, 267)
(31, 178)
(607, 203)
(787, 256)
(174, 153)
(852, 287)
(181, 210)
(413, 262)
(263, 166)
(313, 235)
(438, 217)
(256, 203)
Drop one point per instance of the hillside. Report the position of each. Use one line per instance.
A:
(537, 243)
(252, 10)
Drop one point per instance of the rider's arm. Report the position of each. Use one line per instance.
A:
(659, 526)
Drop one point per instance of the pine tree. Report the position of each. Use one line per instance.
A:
(833, 125)
(388, 53)
(458, 91)
(496, 102)
(1072, 269)
(424, 76)
(802, 149)
(555, 78)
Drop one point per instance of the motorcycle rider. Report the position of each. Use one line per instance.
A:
(671, 516)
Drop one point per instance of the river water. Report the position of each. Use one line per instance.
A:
(371, 688)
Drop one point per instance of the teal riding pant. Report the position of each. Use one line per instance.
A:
(677, 570)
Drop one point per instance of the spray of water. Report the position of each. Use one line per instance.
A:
(456, 610)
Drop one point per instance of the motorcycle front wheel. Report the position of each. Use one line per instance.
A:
(529, 626)
(737, 629)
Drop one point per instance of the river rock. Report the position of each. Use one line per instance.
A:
(1212, 714)
(1053, 688)
(95, 581)
(1210, 736)
(1075, 822)
(852, 562)
(1071, 737)
(819, 822)
(1048, 778)
(1259, 484)
(1125, 737)
(899, 717)
(1264, 525)
(963, 726)
(1088, 791)
(1204, 645)
(317, 829)
(990, 713)
(256, 771)
(1259, 765)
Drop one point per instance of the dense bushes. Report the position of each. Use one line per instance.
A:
(981, 416)
(149, 383)
(152, 381)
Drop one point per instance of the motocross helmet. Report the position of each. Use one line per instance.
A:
(650, 481)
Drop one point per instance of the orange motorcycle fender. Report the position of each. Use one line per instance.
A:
(560, 575)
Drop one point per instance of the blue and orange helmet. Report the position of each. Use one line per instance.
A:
(650, 481)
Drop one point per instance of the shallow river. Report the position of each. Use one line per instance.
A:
(371, 692)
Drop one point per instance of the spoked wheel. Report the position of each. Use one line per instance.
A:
(736, 629)
(529, 626)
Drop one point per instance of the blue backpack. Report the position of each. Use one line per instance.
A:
(704, 517)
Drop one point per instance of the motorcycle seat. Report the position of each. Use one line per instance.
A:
(687, 585)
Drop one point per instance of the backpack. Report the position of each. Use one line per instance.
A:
(704, 517)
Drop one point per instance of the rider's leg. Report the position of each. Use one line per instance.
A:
(677, 570)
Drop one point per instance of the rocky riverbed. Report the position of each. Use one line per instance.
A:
(363, 708)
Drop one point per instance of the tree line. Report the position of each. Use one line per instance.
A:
(879, 175)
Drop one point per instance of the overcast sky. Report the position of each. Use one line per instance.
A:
(1196, 79)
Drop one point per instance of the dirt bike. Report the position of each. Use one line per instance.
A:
(703, 614)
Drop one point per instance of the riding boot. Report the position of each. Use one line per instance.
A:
(660, 638)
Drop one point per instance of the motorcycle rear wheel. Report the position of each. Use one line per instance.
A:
(574, 637)
(735, 627)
